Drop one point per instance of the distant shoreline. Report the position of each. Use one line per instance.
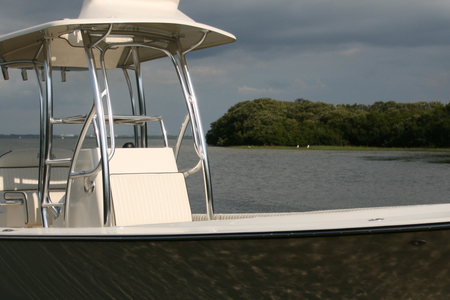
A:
(346, 148)
(66, 136)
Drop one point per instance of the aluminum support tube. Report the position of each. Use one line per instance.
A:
(42, 112)
(196, 130)
(48, 133)
(77, 151)
(101, 128)
(133, 105)
(201, 141)
(83, 133)
(181, 135)
(191, 103)
(31, 62)
(164, 132)
(205, 34)
(141, 96)
(108, 105)
(4, 69)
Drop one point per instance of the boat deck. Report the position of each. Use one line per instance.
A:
(365, 219)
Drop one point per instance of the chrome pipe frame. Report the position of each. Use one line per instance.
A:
(141, 95)
(101, 38)
(4, 69)
(108, 104)
(193, 170)
(45, 127)
(180, 135)
(133, 104)
(197, 129)
(72, 174)
(200, 141)
(46, 136)
(192, 107)
(97, 118)
(43, 196)
(100, 120)
(193, 47)
(42, 105)
(142, 107)
(183, 128)
(164, 132)
(5, 73)
(87, 122)
(31, 62)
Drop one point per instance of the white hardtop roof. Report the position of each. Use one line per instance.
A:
(157, 28)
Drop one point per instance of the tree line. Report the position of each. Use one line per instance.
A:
(383, 124)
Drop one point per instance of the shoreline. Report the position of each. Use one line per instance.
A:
(341, 148)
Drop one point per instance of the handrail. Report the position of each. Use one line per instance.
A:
(57, 161)
(118, 119)
(193, 170)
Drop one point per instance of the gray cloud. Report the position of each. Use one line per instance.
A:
(283, 23)
(345, 51)
(20, 14)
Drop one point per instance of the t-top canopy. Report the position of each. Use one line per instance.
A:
(93, 9)
(155, 23)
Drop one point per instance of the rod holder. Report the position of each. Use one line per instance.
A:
(24, 75)
(63, 74)
(5, 73)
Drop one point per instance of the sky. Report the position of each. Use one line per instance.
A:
(340, 52)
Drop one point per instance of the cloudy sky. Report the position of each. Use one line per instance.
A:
(345, 51)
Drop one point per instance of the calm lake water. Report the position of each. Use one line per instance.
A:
(254, 180)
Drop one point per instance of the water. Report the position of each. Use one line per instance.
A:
(254, 180)
(292, 180)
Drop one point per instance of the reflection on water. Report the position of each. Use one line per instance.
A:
(427, 157)
(256, 180)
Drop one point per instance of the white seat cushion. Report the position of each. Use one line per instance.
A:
(150, 198)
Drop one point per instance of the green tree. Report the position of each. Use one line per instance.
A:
(384, 124)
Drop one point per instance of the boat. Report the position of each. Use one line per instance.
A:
(113, 222)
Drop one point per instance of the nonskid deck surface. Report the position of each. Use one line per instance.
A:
(334, 220)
